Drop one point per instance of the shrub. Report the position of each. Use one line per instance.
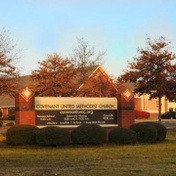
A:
(89, 134)
(52, 136)
(21, 135)
(142, 115)
(2, 138)
(9, 124)
(11, 117)
(122, 136)
(161, 130)
(11, 114)
(146, 133)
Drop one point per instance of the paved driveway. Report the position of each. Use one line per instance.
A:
(168, 123)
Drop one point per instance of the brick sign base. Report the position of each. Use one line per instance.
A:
(25, 112)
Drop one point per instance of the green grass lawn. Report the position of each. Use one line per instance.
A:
(108, 160)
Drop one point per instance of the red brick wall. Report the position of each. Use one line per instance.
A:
(126, 115)
(24, 110)
(4, 113)
(126, 118)
(25, 117)
(25, 113)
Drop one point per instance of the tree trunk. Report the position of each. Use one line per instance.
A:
(159, 110)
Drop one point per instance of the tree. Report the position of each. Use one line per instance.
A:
(85, 56)
(86, 60)
(153, 72)
(54, 77)
(8, 72)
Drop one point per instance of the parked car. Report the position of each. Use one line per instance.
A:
(169, 115)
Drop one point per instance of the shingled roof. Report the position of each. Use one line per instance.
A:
(8, 101)
(23, 81)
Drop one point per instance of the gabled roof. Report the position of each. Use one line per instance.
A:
(7, 101)
(100, 69)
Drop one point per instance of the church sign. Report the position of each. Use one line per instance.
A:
(64, 111)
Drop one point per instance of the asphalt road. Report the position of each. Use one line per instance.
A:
(169, 123)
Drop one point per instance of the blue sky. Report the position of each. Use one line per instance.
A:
(119, 27)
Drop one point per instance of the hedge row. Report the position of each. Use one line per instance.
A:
(122, 136)
(89, 134)
(149, 132)
(85, 135)
(21, 135)
(52, 136)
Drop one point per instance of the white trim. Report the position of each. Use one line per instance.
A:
(9, 106)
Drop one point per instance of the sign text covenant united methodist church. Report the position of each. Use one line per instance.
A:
(75, 110)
